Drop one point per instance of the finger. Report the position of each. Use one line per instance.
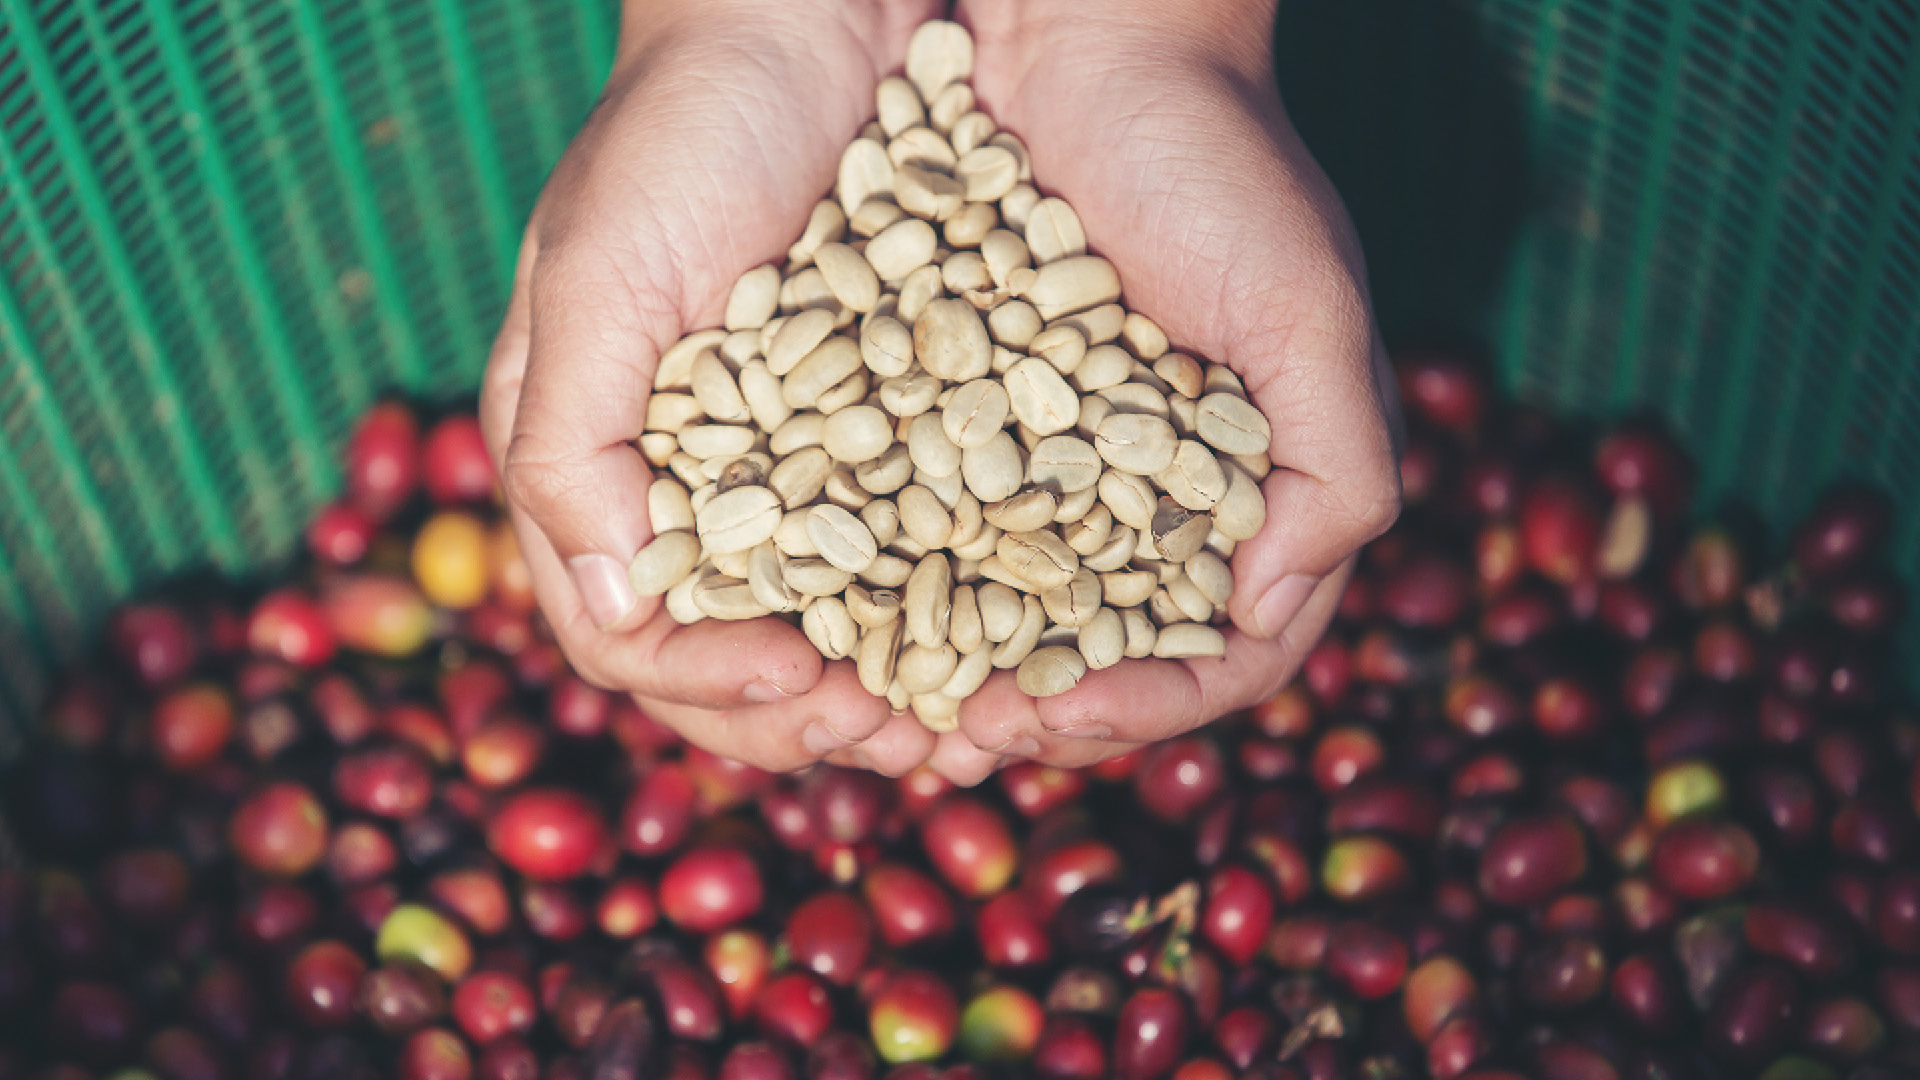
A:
(1150, 700)
(962, 763)
(901, 745)
(1144, 701)
(594, 335)
(507, 360)
(1335, 484)
(786, 735)
(710, 664)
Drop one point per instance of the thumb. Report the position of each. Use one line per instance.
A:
(571, 465)
(1335, 484)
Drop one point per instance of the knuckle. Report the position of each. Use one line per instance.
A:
(533, 484)
(1379, 510)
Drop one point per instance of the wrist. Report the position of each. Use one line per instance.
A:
(1235, 34)
(878, 24)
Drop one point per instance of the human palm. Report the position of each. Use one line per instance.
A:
(1183, 168)
(713, 140)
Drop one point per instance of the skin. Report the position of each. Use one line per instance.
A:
(715, 137)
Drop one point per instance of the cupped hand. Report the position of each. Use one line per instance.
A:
(1161, 125)
(723, 122)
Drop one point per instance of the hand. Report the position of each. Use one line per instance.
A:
(721, 126)
(1161, 125)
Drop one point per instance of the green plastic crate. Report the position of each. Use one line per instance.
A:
(225, 225)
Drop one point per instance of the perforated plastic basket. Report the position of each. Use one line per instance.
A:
(226, 225)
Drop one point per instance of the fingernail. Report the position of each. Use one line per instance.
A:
(818, 740)
(1023, 747)
(1092, 730)
(762, 691)
(1282, 602)
(603, 588)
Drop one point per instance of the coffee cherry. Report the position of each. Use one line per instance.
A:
(548, 834)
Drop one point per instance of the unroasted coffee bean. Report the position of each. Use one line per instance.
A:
(927, 193)
(938, 54)
(1115, 553)
(872, 607)
(1125, 589)
(964, 627)
(738, 520)
(676, 364)
(1032, 508)
(920, 147)
(663, 563)
(827, 222)
(1075, 603)
(1065, 463)
(726, 598)
(887, 572)
(1195, 480)
(987, 172)
(923, 517)
(864, 170)
(798, 336)
(1103, 640)
(668, 413)
(1053, 232)
(843, 489)
(841, 539)
(874, 657)
(887, 473)
(747, 470)
(764, 395)
(820, 371)
(1050, 671)
(970, 225)
(856, 434)
(1135, 443)
(898, 105)
(1191, 602)
(1232, 425)
(1138, 397)
(1040, 398)
(1143, 337)
(886, 346)
(1020, 644)
(716, 392)
(993, 470)
(766, 577)
(1181, 372)
(975, 412)
(968, 674)
(928, 600)
(1014, 324)
(1242, 511)
(668, 507)
(1000, 611)
(909, 395)
(1179, 533)
(901, 248)
(971, 131)
(716, 440)
(1184, 640)
(1089, 534)
(951, 342)
(924, 669)
(814, 576)
(1039, 558)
